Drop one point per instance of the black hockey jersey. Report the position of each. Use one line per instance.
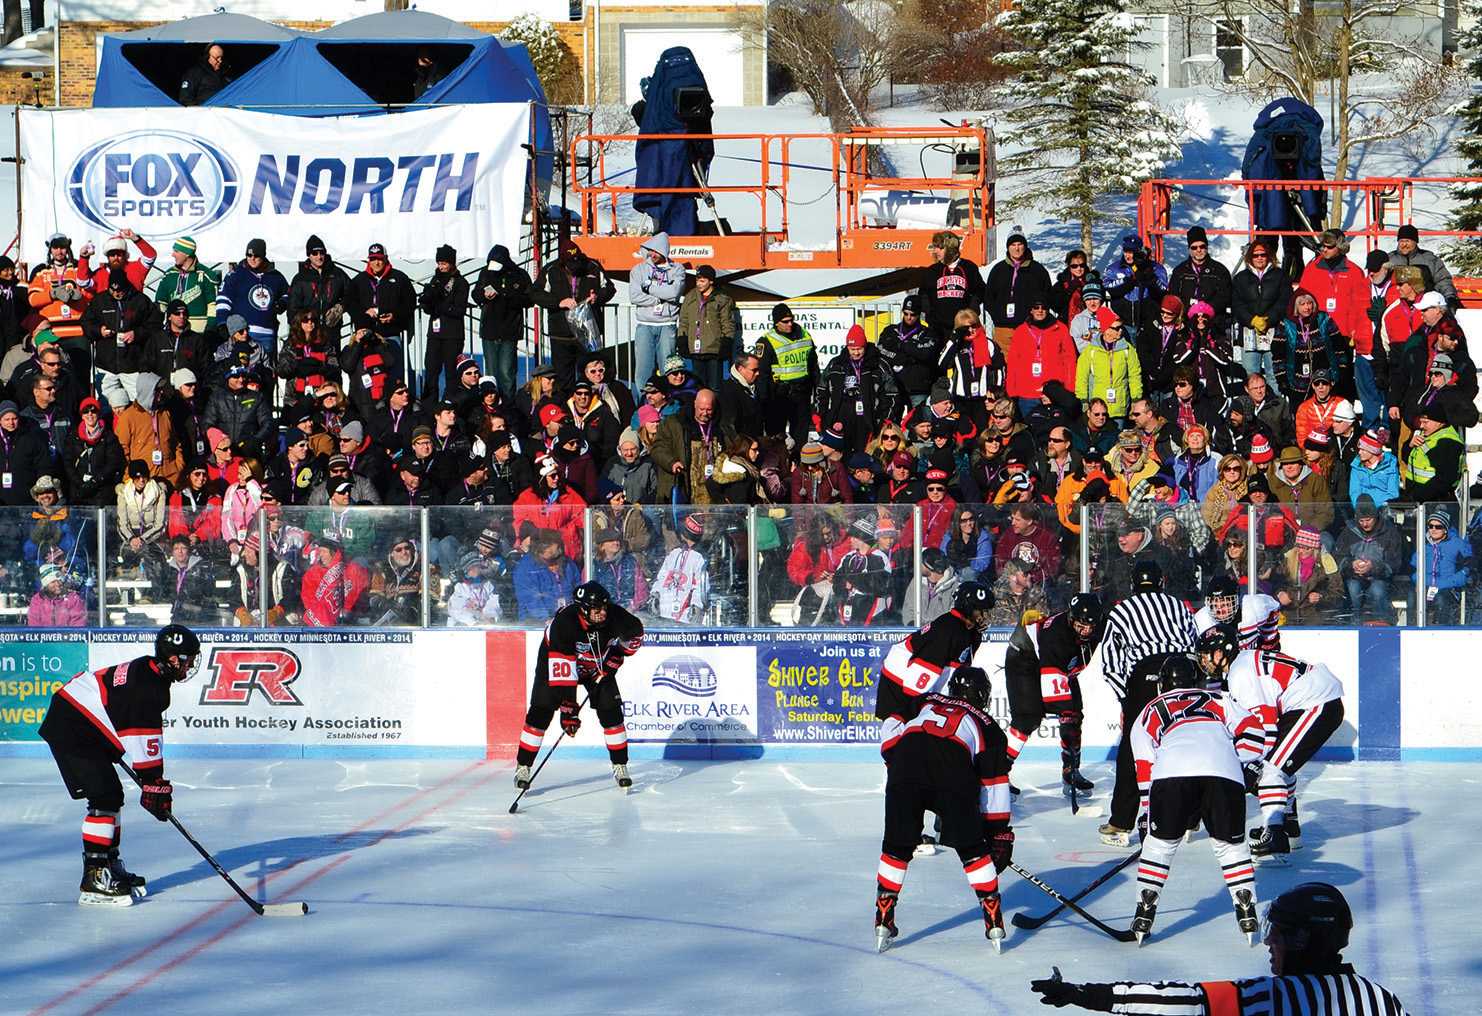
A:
(923, 662)
(573, 651)
(950, 743)
(116, 712)
(1046, 653)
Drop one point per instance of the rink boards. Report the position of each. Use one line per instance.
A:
(687, 694)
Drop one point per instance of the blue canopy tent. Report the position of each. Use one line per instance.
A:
(365, 66)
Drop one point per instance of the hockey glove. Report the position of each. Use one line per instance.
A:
(1001, 849)
(155, 798)
(1054, 991)
(570, 722)
(1252, 773)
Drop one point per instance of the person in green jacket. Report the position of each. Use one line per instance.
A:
(189, 282)
(1109, 370)
(707, 329)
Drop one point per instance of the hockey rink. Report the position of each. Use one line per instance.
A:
(716, 887)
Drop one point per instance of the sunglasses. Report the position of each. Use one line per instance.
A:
(935, 486)
(889, 437)
(1330, 246)
(1198, 246)
(1232, 469)
(1321, 381)
(1058, 440)
(89, 411)
(52, 388)
(470, 370)
(177, 313)
(784, 321)
(1078, 264)
(1003, 416)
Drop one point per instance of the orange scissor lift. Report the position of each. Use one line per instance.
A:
(860, 238)
(1386, 204)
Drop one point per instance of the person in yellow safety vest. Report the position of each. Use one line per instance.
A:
(1433, 464)
(789, 375)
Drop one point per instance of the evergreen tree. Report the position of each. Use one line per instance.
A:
(1464, 256)
(1079, 116)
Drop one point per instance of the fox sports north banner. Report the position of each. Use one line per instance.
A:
(411, 180)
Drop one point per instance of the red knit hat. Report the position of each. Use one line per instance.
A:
(1260, 450)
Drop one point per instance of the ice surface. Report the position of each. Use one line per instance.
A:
(717, 887)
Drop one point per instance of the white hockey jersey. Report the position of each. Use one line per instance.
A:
(682, 586)
(1269, 684)
(1259, 617)
(1194, 732)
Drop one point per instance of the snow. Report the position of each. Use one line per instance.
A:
(718, 887)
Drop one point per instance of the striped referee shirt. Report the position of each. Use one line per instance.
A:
(1138, 627)
(1344, 993)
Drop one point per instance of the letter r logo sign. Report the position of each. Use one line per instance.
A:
(236, 672)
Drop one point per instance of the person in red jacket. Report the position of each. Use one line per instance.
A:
(195, 509)
(116, 255)
(1041, 351)
(551, 504)
(332, 586)
(1341, 289)
(938, 508)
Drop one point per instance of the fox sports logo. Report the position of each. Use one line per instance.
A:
(160, 183)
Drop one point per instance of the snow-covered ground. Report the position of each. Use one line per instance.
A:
(736, 887)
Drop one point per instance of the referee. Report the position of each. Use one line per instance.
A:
(1142, 632)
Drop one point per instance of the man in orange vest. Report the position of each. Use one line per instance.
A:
(60, 293)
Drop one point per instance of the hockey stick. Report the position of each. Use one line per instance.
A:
(549, 752)
(1117, 933)
(295, 909)
(1030, 923)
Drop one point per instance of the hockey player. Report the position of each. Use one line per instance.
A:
(1306, 929)
(950, 758)
(102, 717)
(1299, 705)
(585, 643)
(1259, 614)
(1040, 670)
(1188, 744)
(924, 660)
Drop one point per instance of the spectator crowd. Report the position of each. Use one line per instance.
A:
(1268, 423)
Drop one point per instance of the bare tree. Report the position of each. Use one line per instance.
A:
(838, 53)
(1387, 85)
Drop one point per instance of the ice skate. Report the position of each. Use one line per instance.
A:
(1072, 779)
(99, 888)
(1245, 913)
(620, 773)
(1114, 835)
(522, 777)
(136, 884)
(927, 847)
(885, 929)
(1269, 843)
(1147, 912)
(1293, 827)
(993, 920)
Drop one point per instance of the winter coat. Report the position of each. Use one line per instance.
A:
(65, 611)
(332, 593)
(1306, 346)
(655, 290)
(194, 513)
(1210, 356)
(539, 591)
(913, 354)
(571, 278)
(946, 289)
(1342, 291)
(1433, 271)
(860, 395)
(639, 480)
(168, 352)
(565, 514)
(60, 295)
(1038, 354)
(196, 288)
(143, 433)
(974, 363)
(1134, 292)
(308, 368)
(444, 300)
(1447, 562)
(1037, 550)
(828, 486)
(258, 296)
(1209, 282)
(190, 590)
(1112, 374)
(680, 439)
(1086, 327)
(1410, 366)
(1263, 296)
(1194, 476)
(502, 293)
(239, 505)
(976, 554)
(318, 290)
(15, 308)
(1071, 491)
(245, 415)
(1384, 549)
(133, 312)
(372, 366)
(706, 327)
(140, 513)
(936, 598)
(92, 468)
(1382, 483)
(390, 292)
(1308, 497)
(1324, 579)
(1011, 288)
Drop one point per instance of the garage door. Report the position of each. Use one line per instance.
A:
(717, 51)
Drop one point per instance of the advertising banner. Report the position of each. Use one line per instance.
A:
(33, 665)
(411, 181)
(319, 689)
(827, 325)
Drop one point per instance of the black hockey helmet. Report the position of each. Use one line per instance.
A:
(590, 596)
(1085, 608)
(1223, 597)
(1312, 919)
(971, 685)
(972, 600)
(1218, 639)
(1178, 671)
(176, 640)
(1147, 577)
